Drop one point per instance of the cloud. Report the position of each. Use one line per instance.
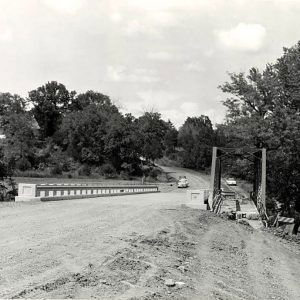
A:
(150, 23)
(160, 55)
(65, 6)
(163, 56)
(244, 37)
(286, 4)
(153, 5)
(162, 5)
(157, 99)
(171, 105)
(6, 35)
(180, 112)
(208, 53)
(195, 67)
(116, 17)
(115, 73)
(162, 18)
(136, 27)
(166, 103)
(122, 74)
(216, 116)
(190, 108)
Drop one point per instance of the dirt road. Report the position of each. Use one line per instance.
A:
(139, 247)
(195, 179)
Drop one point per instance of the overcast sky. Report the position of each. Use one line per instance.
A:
(167, 55)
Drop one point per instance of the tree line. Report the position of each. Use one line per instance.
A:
(60, 131)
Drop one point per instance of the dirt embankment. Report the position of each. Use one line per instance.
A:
(193, 255)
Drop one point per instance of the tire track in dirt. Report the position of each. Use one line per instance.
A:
(224, 263)
(137, 270)
(39, 265)
(209, 258)
(272, 269)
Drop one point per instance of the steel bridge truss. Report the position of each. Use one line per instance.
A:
(257, 157)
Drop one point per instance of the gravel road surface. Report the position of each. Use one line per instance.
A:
(148, 246)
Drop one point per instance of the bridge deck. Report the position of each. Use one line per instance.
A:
(244, 208)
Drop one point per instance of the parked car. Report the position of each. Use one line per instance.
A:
(231, 181)
(182, 182)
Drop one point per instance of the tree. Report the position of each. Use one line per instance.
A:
(50, 102)
(263, 111)
(83, 100)
(11, 104)
(82, 135)
(16, 124)
(170, 138)
(94, 131)
(7, 184)
(152, 131)
(288, 70)
(196, 137)
(254, 94)
(19, 135)
(122, 142)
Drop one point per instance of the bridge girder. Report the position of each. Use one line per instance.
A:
(257, 156)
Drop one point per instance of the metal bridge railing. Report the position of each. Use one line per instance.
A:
(217, 203)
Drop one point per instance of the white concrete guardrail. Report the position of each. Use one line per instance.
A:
(48, 192)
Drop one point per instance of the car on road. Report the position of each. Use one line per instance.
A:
(231, 181)
(182, 182)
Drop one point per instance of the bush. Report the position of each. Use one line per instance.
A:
(32, 174)
(124, 175)
(66, 165)
(108, 170)
(23, 164)
(8, 189)
(146, 170)
(84, 170)
(154, 173)
(56, 170)
(127, 168)
(41, 166)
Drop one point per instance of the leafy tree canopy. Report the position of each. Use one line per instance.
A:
(50, 102)
(90, 97)
(11, 104)
(263, 111)
(152, 130)
(196, 137)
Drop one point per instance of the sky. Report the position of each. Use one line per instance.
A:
(163, 55)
